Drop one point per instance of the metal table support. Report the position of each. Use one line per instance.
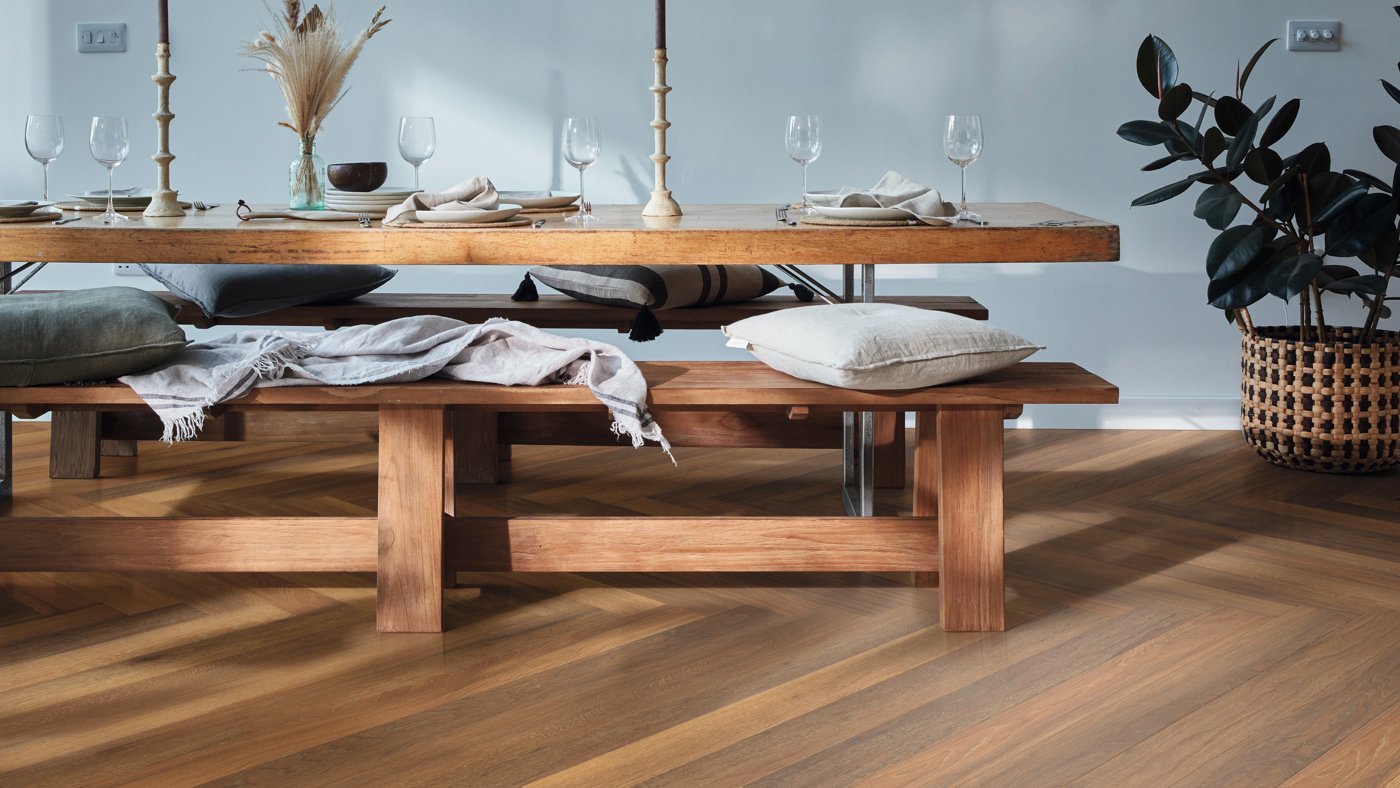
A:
(858, 429)
(7, 463)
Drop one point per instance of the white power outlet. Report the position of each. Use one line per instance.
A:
(127, 269)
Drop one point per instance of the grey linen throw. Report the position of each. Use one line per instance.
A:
(499, 351)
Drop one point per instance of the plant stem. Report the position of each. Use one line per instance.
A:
(1373, 320)
(1321, 320)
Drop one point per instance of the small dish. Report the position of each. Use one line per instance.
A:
(15, 209)
(468, 217)
(540, 199)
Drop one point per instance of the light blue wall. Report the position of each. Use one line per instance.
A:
(1052, 81)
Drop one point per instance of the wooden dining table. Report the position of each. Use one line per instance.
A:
(706, 234)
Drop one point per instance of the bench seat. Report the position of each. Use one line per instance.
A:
(417, 536)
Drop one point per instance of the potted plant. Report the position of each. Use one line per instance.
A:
(1314, 396)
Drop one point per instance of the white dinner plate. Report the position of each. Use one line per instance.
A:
(124, 191)
(864, 214)
(540, 199)
(468, 217)
(14, 209)
(371, 212)
(386, 192)
(124, 200)
(377, 201)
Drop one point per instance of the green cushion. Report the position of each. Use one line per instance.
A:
(83, 335)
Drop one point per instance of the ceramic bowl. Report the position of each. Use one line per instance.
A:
(362, 176)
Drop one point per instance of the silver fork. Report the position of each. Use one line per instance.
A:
(363, 219)
(201, 206)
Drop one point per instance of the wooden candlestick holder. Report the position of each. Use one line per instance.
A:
(661, 203)
(165, 202)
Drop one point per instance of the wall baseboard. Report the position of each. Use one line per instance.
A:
(1138, 413)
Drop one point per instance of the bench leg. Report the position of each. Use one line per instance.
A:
(926, 480)
(75, 444)
(971, 545)
(119, 448)
(890, 467)
(411, 447)
(475, 454)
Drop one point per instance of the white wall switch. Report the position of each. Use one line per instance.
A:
(1314, 36)
(101, 36)
(127, 269)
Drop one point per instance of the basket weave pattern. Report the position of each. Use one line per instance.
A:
(1331, 408)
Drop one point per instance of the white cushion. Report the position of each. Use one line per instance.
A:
(877, 346)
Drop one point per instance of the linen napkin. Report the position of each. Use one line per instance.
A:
(477, 194)
(893, 191)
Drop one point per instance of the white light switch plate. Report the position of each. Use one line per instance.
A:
(1307, 35)
(101, 36)
(127, 269)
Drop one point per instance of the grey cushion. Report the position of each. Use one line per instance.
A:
(245, 290)
(84, 335)
(658, 286)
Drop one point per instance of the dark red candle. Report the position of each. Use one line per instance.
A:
(163, 21)
(660, 24)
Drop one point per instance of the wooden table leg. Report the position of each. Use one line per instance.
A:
(411, 447)
(926, 479)
(971, 545)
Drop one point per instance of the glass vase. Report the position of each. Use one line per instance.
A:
(308, 178)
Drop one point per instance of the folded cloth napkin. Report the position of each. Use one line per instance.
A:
(499, 351)
(477, 194)
(893, 191)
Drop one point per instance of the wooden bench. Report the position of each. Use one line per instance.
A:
(80, 439)
(419, 534)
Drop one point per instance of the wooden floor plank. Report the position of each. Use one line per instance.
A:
(1177, 611)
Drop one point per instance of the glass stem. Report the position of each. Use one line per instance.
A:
(110, 208)
(415, 178)
(805, 206)
(582, 199)
(963, 208)
(46, 181)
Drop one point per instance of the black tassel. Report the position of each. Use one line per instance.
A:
(645, 327)
(803, 292)
(526, 291)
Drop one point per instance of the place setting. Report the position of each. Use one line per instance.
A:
(895, 200)
(471, 204)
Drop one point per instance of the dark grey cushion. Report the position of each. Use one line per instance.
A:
(83, 335)
(659, 286)
(245, 290)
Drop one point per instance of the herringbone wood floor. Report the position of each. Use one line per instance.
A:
(1180, 612)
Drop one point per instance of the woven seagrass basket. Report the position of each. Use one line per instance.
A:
(1330, 408)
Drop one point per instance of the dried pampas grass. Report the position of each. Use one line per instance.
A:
(304, 53)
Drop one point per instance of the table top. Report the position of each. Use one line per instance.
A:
(706, 234)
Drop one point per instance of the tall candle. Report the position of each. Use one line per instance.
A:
(660, 23)
(163, 21)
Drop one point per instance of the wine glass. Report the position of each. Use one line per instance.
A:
(109, 145)
(417, 142)
(804, 146)
(581, 146)
(963, 144)
(43, 138)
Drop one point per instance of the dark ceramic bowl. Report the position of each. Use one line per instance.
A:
(361, 176)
